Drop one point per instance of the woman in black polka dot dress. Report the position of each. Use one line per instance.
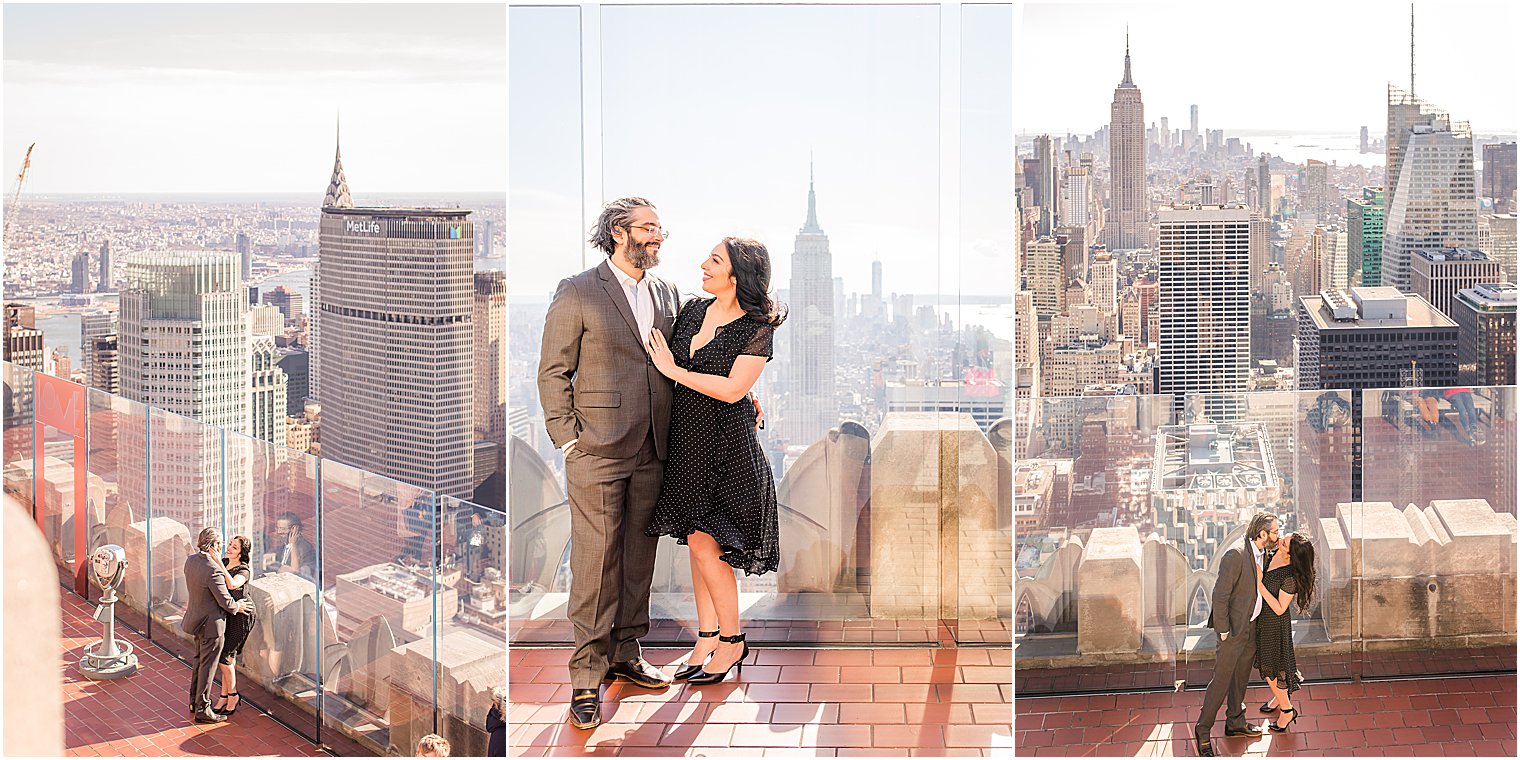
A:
(718, 495)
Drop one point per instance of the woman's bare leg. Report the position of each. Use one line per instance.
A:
(707, 616)
(723, 588)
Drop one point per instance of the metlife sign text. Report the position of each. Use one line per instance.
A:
(362, 227)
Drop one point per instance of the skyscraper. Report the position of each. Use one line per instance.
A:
(287, 301)
(1264, 187)
(1129, 203)
(1105, 284)
(1193, 114)
(1434, 203)
(1204, 261)
(94, 325)
(244, 248)
(1046, 184)
(490, 418)
(81, 273)
(1485, 317)
(393, 341)
(184, 348)
(1499, 176)
(811, 407)
(268, 388)
(1076, 198)
(1436, 275)
(1373, 338)
(107, 280)
(1047, 281)
(1316, 198)
(1261, 249)
(1405, 112)
(1364, 237)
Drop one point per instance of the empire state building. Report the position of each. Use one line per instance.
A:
(811, 408)
(1129, 205)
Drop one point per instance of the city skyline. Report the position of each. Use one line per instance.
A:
(208, 110)
(1171, 50)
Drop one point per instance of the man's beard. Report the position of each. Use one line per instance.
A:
(640, 255)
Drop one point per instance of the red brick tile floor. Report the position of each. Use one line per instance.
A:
(1461, 717)
(143, 715)
(812, 702)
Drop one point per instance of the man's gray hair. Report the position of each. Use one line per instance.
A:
(1260, 523)
(615, 214)
(208, 539)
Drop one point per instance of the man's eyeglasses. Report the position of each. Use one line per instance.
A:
(650, 228)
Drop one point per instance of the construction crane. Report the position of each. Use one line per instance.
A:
(10, 213)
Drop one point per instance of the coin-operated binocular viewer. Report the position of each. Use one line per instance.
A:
(108, 658)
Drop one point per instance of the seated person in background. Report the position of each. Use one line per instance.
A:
(292, 553)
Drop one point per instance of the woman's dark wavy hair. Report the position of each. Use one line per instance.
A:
(1301, 564)
(244, 547)
(751, 265)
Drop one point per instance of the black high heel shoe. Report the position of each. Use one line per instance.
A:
(706, 677)
(690, 669)
(1268, 707)
(1274, 728)
(223, 709)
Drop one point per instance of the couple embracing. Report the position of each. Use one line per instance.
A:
(1258, 583)
(647, 395)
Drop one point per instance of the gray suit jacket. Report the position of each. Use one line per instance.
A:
(1234, 590)
(595, 380)
(205, 613)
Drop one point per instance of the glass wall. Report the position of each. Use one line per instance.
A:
(835, 135)
(1125, 505)
(380, 607)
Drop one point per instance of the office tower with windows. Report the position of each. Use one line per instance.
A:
(1437, 275)
(1261, 248)
(104, 370)
(244, 247)
(1264, 187)
(1434, 202)
(296, 364)
(107, 279)
(1076, 201)
(1316, 190)
(268, 391)
(1105, 284)
(491, 356)
(394, 313)
(1203, 253)
(80, 282)
(1364, 237)
(1485, 317)
(1373, 338)
(1129, 203)
(93, 325)
(1045, 180)
(1499, 176)
(287, 301)
(811, 408)
(1047, 280)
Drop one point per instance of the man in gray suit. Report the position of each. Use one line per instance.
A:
(205, 618)
(1236, 604)
(608, 409)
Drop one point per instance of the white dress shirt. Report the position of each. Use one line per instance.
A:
(639, 300)
(1259, 563)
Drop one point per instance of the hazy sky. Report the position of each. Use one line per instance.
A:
(711, 112)
(242, 98)
(1265, 65)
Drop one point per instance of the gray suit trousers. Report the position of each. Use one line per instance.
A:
(208, 648)
(1232, 671)
(611, 560)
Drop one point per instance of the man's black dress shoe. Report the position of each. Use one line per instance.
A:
(1249, 730)
(585, 708)
(639, 673)
(209, 717)
(1205, 747)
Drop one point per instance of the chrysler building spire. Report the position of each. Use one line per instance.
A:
(337, 187)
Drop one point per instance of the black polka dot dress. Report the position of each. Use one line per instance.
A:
(1274, 633)
(717, 479)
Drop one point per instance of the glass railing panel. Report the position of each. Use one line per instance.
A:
(1098, 596)
(273, 506)
(471, 644)
(981, 286)
(20, 435)
(854, 454)
(377, 548)
(175, 465)
(118, 429)
(546, 242)
(55, 505)
(1434, 555)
